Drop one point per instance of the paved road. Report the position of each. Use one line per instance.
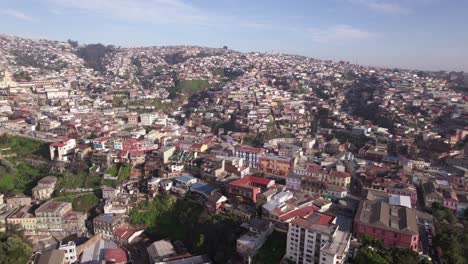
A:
(3, 131)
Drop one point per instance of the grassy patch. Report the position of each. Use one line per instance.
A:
(125, 171)
(79, 180)
(108, 182)
(187, 88)
(80, 202)
(112, 171)
(17, 174)
(24, 147)
(183, 220)
(85, 202)
(273, 250)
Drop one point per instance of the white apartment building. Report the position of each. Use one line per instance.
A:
(70, 252)
(316, 240)
(250, 155)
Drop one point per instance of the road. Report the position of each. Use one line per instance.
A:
(4, 131)
(426, 235)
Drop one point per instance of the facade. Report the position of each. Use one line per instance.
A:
(247, 188)
(394, 225)
(316, 240)
(44, 189)
(70, 252)
(106, 224)
(57, 95)
(61, 149)
(160, 250)
(18, 201)
(340, 178)
(276, 165)
(59, 216)
(52, 257)
(404, 190)
(440, 192)
(251, 155)
(23, 219)
(250, 242)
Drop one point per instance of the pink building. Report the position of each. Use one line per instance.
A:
(394, 225)
(248, 187)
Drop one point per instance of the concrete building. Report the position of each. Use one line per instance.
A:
(106, 224)
(249, 243)
(23, 219)
(161, 250)
(247, 188)
(59, 216)
(62, 149)
(52, 257)
(17, 201)
(316, 239)
(276, 165)
(394, 225)
(251, 155)
(44, 188)
(70, 252)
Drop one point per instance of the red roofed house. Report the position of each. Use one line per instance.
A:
(126, 234)
(394, 225)
(247, 188)
(116, 256)
(61, 149)
(339, 178)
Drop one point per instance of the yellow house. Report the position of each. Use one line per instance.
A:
(340, 178)
(199, 147)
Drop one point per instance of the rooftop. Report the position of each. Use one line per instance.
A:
(383, 215)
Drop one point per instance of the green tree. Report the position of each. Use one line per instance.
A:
(403, 256)
(368, 255)
(425, 261)
(14, 250)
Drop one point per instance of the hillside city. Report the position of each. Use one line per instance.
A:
(187, 154)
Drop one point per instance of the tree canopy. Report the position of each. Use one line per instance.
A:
(14, 249)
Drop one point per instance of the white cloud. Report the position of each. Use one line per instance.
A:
(151, 11)
(55, 11)
(338, 33)
(16, 14)
(384, 6)
(160, 12)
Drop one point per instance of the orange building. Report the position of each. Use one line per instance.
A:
(277, 165)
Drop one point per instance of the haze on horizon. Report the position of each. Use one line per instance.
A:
(413, 34)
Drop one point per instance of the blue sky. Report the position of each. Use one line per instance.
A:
(416, 34)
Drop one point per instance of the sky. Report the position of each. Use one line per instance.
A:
(412, 34)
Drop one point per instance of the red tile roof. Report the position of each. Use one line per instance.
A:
(116, 255)
(248, 180)
(340, 174)
(250, 149)
(301, 212)
(314, 168)
(125, 232)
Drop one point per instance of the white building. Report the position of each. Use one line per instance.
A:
(57, 95)
(70, 252)
(148, 119)
(252, 241)
(61, 149)
(317, 240)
